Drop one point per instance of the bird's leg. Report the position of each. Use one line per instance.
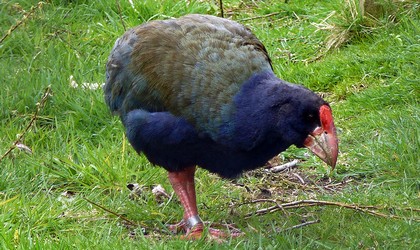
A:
(184, 187)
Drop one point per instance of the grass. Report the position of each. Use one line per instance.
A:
(79, 150)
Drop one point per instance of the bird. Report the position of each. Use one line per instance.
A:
(200, 90)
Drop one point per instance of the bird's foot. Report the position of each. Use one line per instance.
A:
(198, 231)
(217, 235)
(223, 231)
(185, 225)
(178, 227)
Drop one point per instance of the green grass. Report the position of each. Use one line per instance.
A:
(372, 82)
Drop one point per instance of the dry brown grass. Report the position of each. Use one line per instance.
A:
(358, 19)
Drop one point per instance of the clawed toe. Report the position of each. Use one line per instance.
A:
(224, 231)
(198, 231)
(179, 227)
(217, 233)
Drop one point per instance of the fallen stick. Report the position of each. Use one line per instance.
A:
(119, 13)
(22, 20)
(39, 107)
(284, 166)
(258, 17)
(222, 15)
(112, 212)
(299, 225)
(310, 203)
(300, 178)
(338, 184)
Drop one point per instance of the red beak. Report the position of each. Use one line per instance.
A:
(323, 140)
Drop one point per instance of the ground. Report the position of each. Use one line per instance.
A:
(64, 183)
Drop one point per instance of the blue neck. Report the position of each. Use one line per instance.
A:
(251, 120)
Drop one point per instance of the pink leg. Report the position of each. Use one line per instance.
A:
(184, 187)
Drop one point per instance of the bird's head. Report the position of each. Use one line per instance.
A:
(305, 119)
(322, 140)
(289, 113)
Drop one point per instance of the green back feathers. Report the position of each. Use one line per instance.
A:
(191, 67)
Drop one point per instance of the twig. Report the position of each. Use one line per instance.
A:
(284, 166)
(120, 14)
(40, 106)
(316, 58)
(22, 20)
(257, 17)
(330, 186)
(300, 178)
(257, 201)
(410, 209)
(277, 205)
(296, 184)
(112, 212)
(338, 184)
(300, 225)
(221, 8)
(308, 203)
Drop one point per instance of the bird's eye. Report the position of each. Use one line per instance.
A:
(310, 117)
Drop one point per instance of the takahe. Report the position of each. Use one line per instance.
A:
(200, 91)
